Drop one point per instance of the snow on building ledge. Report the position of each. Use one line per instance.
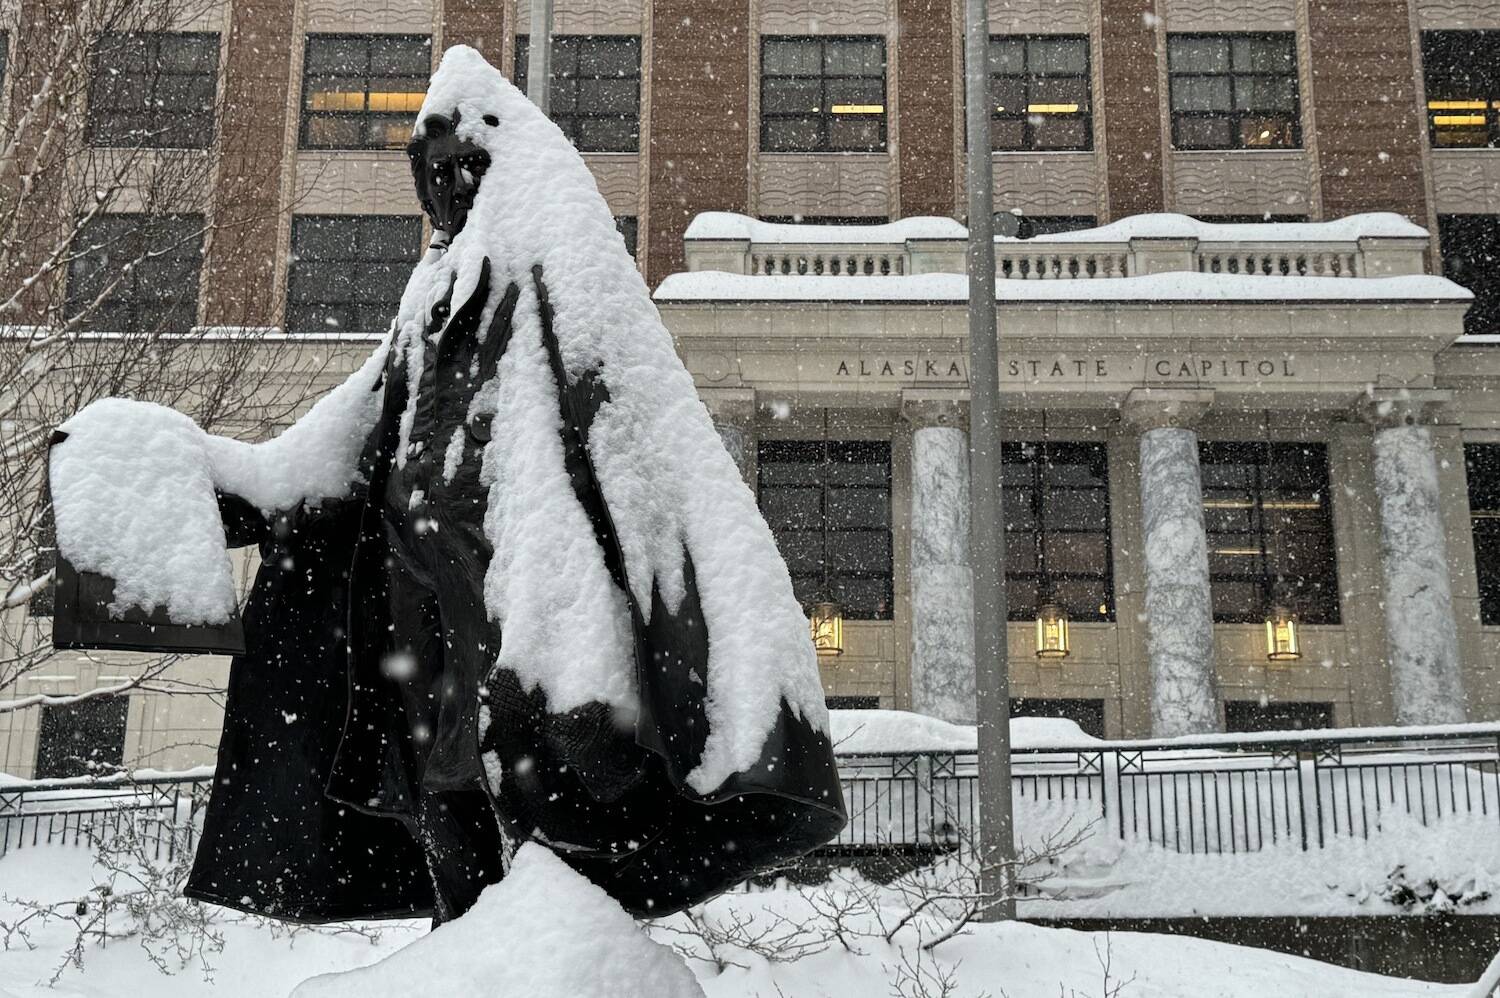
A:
(1374, 245)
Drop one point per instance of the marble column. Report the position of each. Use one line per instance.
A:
(1179, 605)
(1421, 630)
(942, 584)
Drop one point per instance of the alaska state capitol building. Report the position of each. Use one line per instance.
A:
(1232, 301)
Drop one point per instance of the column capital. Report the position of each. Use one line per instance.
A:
(1155, 408)
(932, 408)
(1387, 408)
(730, 406)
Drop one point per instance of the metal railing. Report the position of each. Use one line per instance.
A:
(1216, 794)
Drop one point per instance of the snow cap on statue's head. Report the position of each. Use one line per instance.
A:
(536, 204)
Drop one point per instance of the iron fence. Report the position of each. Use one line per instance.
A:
(1217, 794)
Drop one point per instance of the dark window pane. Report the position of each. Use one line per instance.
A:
(1270, 531)
(1248, 716)
(146, 266)
(596, 89)
(1057, 529)
(1471, 256)
(82, 739)
(348, 271)
(828, 505)
(1234, 91)
(153, 89)
(1040, 91)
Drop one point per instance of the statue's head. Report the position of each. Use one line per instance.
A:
(447, 169)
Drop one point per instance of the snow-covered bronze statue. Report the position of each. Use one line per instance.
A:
(512, 587)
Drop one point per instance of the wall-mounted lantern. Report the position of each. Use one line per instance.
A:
(1282, 644)
(826, 618)
(1052, 632)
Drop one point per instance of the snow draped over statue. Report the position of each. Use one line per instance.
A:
(525, 440)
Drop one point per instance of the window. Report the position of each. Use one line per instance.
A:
(1087, 714)
(1039, 92)
(142, 270)
(1462, 72)
(1057, 529)
(1471, 256)
(1270, 534)
(83, 738)
(1234, 91)
(852, 703)
(363, 91)
(822, 94)
(348, 271)
(826, 219)
(1249, 219)
(154, 89)
(1247, 716)
(629, 229)
(596, 89)
(828, 503)
(1482, 462)
(1021, 226)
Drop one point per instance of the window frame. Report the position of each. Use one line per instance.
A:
(1433, 81)
(1275, 587)
(131, 225)
(49, 764)
(1234, 114)
(365, 116)
(569, 121)
(1041, 493)
(827, 581)
(1028, 78)
(356, 262)
(825, 117)
(1479, 236)
(101, 116)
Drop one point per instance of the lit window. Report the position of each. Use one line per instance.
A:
(1039, 92)
(822, 94)
(1234, 91)
(1270, 532)
(1471, 246)
(1462, 72)
(348, 271)
(363, 91)
(136, 273)
(828, 504)
(596, 89)
(154, 89)
(1057, 539)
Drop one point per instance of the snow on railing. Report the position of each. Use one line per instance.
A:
(1371, 245)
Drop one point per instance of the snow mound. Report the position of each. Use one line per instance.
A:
(730, 225)
(886, 732)
(542, 932)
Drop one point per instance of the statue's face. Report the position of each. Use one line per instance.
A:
(447, 171)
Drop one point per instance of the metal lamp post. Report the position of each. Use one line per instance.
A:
(539, 56)
(987, 534)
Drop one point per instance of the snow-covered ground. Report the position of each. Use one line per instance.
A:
(1018, 960)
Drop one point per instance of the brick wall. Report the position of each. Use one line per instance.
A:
(1131, 103)
(700, 109)
(480, 23)
(1364, 91)
(240, 277)
(925, 102)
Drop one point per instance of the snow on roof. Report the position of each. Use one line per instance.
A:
(1184, 286)
(729, 225)
(1164, 225)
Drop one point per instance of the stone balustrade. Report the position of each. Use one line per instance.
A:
(1377, 245)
